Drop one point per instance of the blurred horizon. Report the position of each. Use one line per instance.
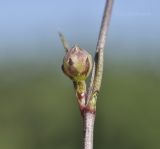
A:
(29, 29)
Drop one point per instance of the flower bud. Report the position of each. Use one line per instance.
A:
(77, 64)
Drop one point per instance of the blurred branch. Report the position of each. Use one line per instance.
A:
(64, 42)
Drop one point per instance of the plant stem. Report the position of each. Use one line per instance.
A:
(80, 89)
(87, 101)
(88, 120)
(97, 71)
(96, 78)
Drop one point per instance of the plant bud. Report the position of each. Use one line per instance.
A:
(77, 64)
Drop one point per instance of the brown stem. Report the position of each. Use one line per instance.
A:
(88, 119)
(97, 71)
(88, 103)
(96, 78)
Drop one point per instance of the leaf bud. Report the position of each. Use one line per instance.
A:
(77, 64)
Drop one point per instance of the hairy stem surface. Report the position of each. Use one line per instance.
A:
(87, 101)
(96, 78)
(97, 71)
(89, 119)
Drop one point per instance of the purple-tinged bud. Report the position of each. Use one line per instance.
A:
(77, 64)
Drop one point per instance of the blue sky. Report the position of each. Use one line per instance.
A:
(29, 27)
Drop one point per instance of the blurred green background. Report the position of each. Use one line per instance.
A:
(38, 108)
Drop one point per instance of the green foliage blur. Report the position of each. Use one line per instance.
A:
(38, 108)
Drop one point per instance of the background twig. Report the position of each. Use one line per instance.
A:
(64, 42)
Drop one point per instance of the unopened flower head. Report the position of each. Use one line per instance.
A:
(77, 64)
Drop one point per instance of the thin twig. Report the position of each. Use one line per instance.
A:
(96, 78)
(89, 119)
(64, 42)
(97, 71)
(89, 107)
